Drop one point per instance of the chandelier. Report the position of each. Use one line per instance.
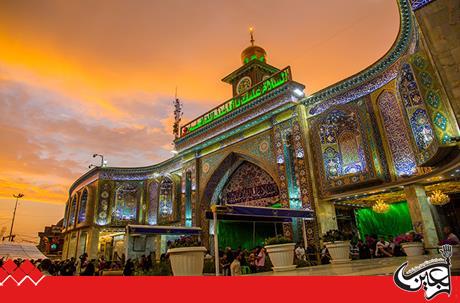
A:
(439, 198)
(380, 207)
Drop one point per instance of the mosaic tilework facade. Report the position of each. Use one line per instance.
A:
(417, 115)
(344, 147)
(152, 212)
(104, 203)
(434, 97)
(127, 200)
(377, 154)
(189, 187)
(278, 133)
(304, 182)
(396, 135)
(250, 185)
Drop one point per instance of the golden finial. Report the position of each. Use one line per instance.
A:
(251, 31)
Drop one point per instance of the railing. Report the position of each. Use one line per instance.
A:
(231, 105)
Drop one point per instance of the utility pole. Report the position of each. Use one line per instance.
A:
(14, 214)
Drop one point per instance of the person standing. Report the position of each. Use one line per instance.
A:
(451, 238)
(382, 248)
(260, 259)
(235, 267)
(300, 252)
(225, 265)
(89, 269)
(129, 268)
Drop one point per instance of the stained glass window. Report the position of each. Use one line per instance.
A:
(166, 198)
(126, 202)
(396, 134)
(82, 209)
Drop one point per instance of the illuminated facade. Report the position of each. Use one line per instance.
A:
(388, 133)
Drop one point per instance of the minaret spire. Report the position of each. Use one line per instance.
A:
(177, 115)
(251, 32)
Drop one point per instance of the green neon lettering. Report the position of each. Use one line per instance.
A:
(266, 86)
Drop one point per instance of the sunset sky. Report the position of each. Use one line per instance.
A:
(84, 77)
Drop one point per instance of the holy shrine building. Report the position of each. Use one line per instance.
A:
(377, 153)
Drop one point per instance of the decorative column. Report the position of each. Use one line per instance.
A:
(302, 168)
(157, 248)
(93, 243)
(281, 165)
(280, 162)
(325, 212)
(422, 219)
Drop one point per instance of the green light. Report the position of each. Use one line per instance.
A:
(255, 92)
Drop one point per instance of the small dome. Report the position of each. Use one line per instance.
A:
(253, 52)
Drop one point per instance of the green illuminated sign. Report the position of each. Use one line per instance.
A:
(253, 93)
(254, 57)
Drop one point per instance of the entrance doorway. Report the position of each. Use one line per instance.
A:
(246, 234)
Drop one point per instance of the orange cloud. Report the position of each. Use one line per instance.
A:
(78, 78)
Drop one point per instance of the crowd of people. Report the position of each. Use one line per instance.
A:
(234, 263)
(379, 247)
(244, 261)
(71, 267)
(231, 262)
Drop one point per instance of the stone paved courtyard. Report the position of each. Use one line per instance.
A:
(367, 267)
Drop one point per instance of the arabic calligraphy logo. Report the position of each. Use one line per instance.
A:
(18, 274)
(432, 275)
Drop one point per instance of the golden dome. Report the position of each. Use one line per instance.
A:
(253, 52)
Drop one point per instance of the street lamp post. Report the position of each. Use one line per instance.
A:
(14, 214)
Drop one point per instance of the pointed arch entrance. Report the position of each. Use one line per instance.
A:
(241, 180)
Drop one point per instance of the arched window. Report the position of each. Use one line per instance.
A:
(396, 134)
(66, 214)
(188, 198)
(414, 107)
(166, 198)
(126, 200)
(82, 210)
(153, 204)
(73, 209)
